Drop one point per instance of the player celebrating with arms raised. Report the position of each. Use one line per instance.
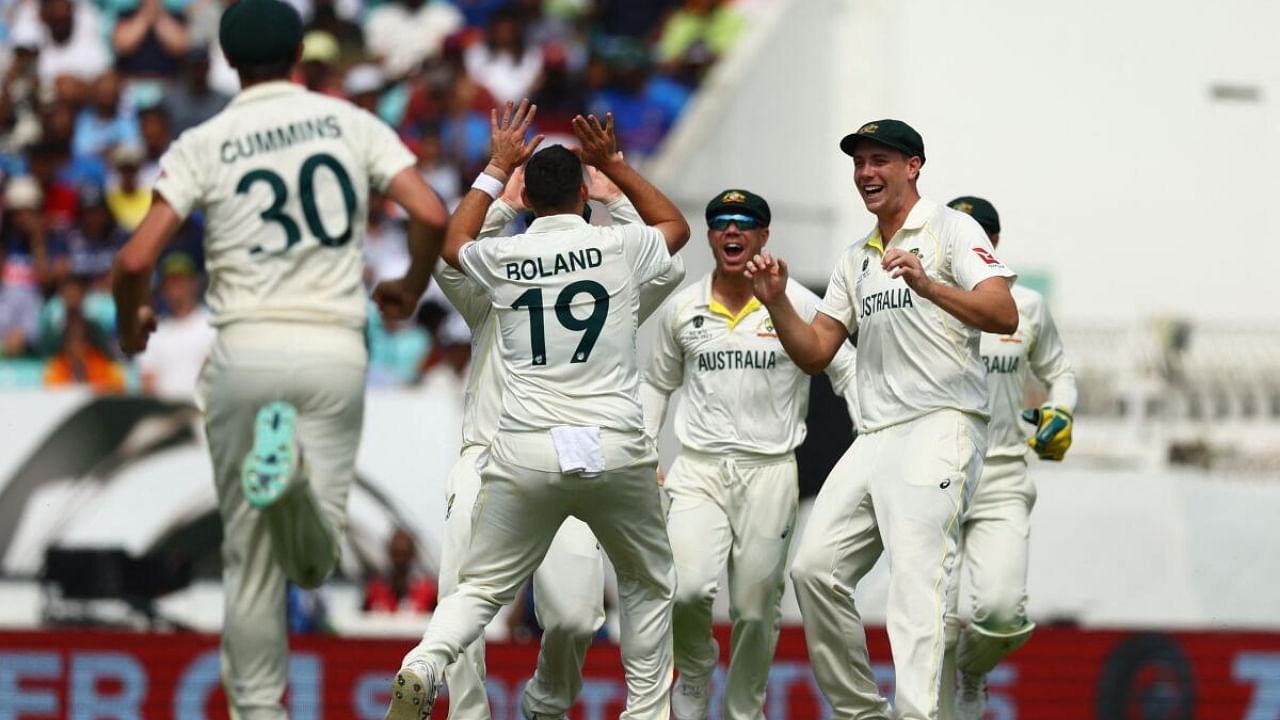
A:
(734, 489)
(919, 289)
(283, 176)
(570, 438)
(997, 525)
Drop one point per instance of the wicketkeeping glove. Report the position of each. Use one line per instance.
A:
(1053, 431)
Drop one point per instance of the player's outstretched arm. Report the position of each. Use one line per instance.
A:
(398, 298)
(507, 151)
(810, 345)
(600, 150)
(988, 307)
(135, 263)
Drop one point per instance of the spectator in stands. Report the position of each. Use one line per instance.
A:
(349, 35)
(403, 587)
(149, 40)
(77, 295)
(319, 64)
(19, 315)
(70, 33)
(19, 101)
(363, 86)
(82, 358)
(386, 250)
(644, 105)
(104, 124)
(157, 133)
(402, 33)
(191, 100)
(127, 198)
(503, 63)
(91, 244)
(29, 264)
(559, 96)
(171, 363)
(696, 34)
(450, 334)
(635, 19)
(440, 174)
(58, 175)
(464, 129)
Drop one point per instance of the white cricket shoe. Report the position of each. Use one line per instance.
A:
(689, 700)
(971, 702)
(413, 693)
(276, 457)
(529, 714)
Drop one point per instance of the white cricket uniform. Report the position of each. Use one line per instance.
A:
(566, 299)
(924, 402)
(283, 176)
(997, 524)
(568, 586)
(734, 488)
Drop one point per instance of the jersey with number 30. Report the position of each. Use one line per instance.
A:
(567, 296)
(283, 177)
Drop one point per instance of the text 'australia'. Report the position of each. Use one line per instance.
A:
(737, 360)
(886, 300)
(535, 268)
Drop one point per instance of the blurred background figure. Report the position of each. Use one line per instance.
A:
(127, 197)
(70, 39)
(404, 587)
(190, 99)
(402, 33)
(503, 62)
(171, 364)
(150, 40)
(84, 355)
(19, 316)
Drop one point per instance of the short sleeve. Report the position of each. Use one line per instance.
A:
(478, 261)
(973, 259)
(646, 251)
(386, 154)
(838, 302)
(180, 182)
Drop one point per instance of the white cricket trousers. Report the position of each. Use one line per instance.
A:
(320, 370)
(523, 501)
(737, 510)
(568, 589)
(996, 536)
(903, 490)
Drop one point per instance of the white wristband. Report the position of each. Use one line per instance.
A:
(489, 185)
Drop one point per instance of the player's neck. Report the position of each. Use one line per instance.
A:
(733, 290)
(891, 221)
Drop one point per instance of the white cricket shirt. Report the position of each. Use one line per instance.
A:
(283, 176)
(1035, 348)
(913, 356)
(482, 403)
(743, 394)
(567, 297)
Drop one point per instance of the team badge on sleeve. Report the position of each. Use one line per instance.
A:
(987, 257)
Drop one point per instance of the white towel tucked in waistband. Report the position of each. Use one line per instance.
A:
(579, 449)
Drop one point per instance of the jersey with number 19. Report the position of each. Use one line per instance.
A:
(283, 176)
(567, 296)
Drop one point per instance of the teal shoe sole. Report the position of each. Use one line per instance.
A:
(270, 465)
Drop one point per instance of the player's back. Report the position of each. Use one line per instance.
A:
(567, 297)
(283, 175)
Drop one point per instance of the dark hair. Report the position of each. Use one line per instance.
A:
(552, 178)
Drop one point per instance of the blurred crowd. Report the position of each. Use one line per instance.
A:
(93, 91)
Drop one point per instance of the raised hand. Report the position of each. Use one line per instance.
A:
(601, 188)
(900, 263)
(508, 148)
(768, 277)
(599, 143)
(513, 193)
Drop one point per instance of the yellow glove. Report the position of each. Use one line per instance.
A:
(1053, 431)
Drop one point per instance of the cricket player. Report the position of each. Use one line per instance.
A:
(996, 527)
(283, 176)
(919, 289)
(734, 489)
(568, 586)
(570, 438)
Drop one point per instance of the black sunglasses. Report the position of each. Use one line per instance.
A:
(744, 222)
